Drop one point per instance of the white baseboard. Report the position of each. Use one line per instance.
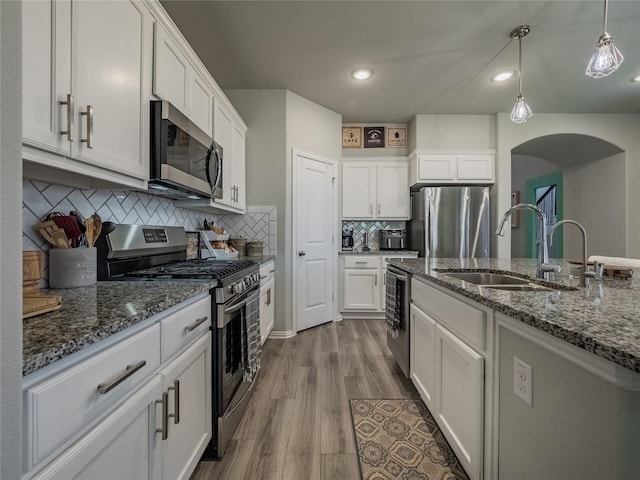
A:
(282, 334)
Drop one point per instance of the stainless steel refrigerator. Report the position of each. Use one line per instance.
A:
(450, 222)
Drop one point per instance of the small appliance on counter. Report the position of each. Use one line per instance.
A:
(365, 243)
(393, 239)
(347, 241)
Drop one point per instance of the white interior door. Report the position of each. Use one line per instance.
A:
(314, 206)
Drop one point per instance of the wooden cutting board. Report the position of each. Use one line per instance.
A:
(35, 304)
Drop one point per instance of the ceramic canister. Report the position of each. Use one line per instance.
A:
(72, 267)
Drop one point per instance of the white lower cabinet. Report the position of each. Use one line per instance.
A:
(448, 373)
(138, 409)
(423, 355)
(124, 445)
(363, 281)
(187, 423)
(361, 289)
(267, 298)
(459, 390)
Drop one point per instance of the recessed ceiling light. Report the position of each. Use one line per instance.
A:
(361, 74)
(636, 79)
(502, 76)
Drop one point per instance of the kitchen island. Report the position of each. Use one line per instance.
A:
(529, 384)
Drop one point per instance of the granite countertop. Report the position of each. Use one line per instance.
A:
(379, 252)
(91, 314)
(603, 318)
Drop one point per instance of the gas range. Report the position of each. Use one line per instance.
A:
(141, 252)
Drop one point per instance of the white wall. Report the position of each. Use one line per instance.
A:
(525, 167)
(454, 131)
(316, 130)
(10, 240)
(619, 129)
(593, 196)
(279, 121)
(264, 112)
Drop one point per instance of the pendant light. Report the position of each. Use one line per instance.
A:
(606, 57)
(521, 111)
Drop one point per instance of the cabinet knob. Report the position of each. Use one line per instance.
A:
(301, 253)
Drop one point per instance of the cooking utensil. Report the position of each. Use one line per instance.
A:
(97, 227)
(79, 219)
(89, 233)
(107, 227)
(70, 227)
(53, 234)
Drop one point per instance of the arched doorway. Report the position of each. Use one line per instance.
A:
(576, 176)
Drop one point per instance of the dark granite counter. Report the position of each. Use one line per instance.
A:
(394, 253)
(91, 314)
(603, 318)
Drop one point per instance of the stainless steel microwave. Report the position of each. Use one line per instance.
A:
(185, 161)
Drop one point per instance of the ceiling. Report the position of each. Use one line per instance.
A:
(429, 57)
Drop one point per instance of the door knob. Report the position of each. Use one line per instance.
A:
(301, 253)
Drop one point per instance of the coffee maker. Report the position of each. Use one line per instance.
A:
(347, 241)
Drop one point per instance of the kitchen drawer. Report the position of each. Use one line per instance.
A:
(62, 405)
(267, 271)
(184, 326)
(464, 320)
(362, 261)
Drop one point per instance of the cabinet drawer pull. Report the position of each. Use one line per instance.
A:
(69, 131)
(361, 263)
(196, 324)
(89, 139)
(118, 379)
(378, 209)
(268, 297)
(176, 402)
(164, 429)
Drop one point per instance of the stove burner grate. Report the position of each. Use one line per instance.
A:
(198, 268)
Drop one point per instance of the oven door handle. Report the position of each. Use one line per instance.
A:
(235, 308)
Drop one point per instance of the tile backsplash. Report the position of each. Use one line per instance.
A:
(371, 227)
(133, 207)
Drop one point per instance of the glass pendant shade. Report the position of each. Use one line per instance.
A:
(521, 111)
(606, 58)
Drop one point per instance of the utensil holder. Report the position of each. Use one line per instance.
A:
(72, 267)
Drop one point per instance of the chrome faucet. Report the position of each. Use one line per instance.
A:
(544, 269)
(584, 272)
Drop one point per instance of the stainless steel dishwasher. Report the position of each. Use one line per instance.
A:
(398, 292)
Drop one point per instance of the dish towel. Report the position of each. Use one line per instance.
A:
(252, 347)
(393, 299)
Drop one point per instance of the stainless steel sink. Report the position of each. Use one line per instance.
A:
(487, 278)
(529, 287)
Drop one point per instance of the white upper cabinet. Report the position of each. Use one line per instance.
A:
(440, 167)
(375, 190)
(358, 190)
(170, 70)
(86, 90)
(230, 133)
(177, 81)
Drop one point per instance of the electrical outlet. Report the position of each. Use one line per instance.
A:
(523, 381)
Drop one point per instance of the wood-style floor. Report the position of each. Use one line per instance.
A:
(297, 425)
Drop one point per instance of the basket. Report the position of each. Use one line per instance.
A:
(212, 236)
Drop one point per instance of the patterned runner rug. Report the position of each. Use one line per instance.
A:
(399, 439)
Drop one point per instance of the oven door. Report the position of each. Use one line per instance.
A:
(232, 394)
